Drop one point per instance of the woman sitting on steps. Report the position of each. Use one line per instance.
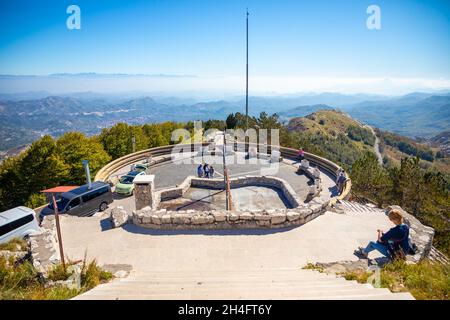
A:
(393, 244)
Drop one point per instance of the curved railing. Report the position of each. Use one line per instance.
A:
(323, 164)
(104, 173)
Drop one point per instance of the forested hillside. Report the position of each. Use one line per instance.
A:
(422, 190)
(332, 134)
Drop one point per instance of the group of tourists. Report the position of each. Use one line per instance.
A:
(205, 171)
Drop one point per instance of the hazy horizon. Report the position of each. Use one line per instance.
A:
(186, 85)
(199, 46)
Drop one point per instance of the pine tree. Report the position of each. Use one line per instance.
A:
(370, 179)
(73, 148)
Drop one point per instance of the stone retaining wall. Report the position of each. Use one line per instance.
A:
(177, 192)
(261, 181)
(221, 219)
(44, 246)
(312, 173)
(152, 217)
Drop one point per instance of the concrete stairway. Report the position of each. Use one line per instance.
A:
(437, 256)
(350, 206)
(238, 284)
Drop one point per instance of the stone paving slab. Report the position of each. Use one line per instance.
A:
(330, 237)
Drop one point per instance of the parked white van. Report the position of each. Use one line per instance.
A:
(18, 222)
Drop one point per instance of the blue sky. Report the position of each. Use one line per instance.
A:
(322, 39)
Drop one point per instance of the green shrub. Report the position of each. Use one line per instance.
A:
(361, 134)
(424, 280)
(21, 281)
(59, 273)
(16, 244)
(14, 281)
(92, 275)
(36, 200)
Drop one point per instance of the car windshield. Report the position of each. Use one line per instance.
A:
(126, 180)
(61, 203)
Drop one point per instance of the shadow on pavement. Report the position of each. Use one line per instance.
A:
(232, 232)
(334, 191)
(106, 224)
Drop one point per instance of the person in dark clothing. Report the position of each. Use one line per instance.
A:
(200, 171)
(395, 241)
(300, 154)
(206, 170)
(341, 181)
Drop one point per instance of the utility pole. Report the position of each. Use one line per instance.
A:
(133, 142)
(226, 178)
(246, 83)
(58, 232)
(88, 173)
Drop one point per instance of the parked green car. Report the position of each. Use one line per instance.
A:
(126, 185)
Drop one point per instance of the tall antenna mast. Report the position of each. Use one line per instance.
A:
(246, 87)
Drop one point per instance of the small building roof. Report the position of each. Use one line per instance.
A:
(59, 189)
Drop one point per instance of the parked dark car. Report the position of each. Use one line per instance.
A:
(82, 201)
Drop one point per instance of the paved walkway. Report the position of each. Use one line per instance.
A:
(330, 237)
(159, 258)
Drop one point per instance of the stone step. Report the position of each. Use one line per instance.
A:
(436, 255)
(389, 296)
(161, 287)
(189, 297)
(249, 288)
(217, 281)
(358, 207)
(241, 294)
(296, 275)
(234, 275)
(245, 284)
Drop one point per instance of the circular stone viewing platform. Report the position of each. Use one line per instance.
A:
(265, 192)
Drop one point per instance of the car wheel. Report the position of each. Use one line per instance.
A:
(103, 206)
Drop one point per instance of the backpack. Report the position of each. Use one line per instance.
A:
(413, 248)
(396, 251)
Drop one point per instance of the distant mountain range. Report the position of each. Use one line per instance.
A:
(414, 115)
(27, 116)
(302, 111)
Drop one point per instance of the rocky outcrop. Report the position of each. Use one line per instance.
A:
(119, 216)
